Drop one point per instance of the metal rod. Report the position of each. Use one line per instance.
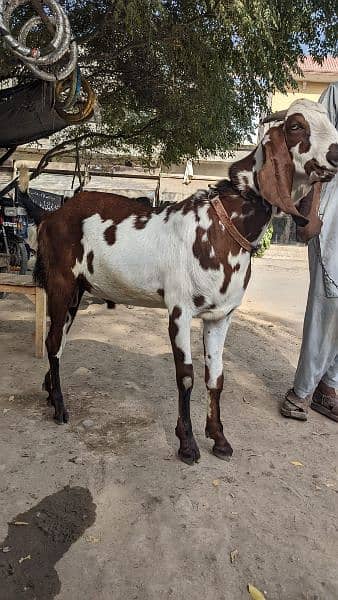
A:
(38, 5)
(7, 154)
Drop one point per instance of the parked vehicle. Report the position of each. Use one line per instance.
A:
(14, 251)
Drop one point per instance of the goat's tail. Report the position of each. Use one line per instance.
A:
(36, 213)
(33, 210)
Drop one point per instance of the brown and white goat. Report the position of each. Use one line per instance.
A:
(185, 257)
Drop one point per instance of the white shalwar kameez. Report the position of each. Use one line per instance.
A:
(318, 360)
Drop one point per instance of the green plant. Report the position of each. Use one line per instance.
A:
(265, 243)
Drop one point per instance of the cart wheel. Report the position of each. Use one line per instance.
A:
(18, 257)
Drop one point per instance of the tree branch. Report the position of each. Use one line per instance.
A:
(65, 146)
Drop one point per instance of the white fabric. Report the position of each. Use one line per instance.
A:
(189, 172)
(329, 206)
(329, 237)
(318, 358)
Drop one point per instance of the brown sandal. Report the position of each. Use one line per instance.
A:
(326, 405)
(294, 407)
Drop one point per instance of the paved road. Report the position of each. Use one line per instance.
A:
(279, 284)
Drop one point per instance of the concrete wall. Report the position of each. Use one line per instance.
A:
(307, 89)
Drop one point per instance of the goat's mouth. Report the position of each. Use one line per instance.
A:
(316, 172)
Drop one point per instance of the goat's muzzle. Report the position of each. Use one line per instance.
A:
(318, 173)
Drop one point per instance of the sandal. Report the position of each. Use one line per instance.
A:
(326, 405)
(294, 407)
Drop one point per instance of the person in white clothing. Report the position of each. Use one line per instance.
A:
(316, 379)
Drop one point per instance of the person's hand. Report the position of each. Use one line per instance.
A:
(313, 228)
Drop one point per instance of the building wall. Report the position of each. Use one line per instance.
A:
(307, 89)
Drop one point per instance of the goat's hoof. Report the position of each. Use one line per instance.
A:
(190, 453)
(62, 418)
(223, 452)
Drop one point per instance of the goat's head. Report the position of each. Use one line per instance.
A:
(312, 140)
(292, 155)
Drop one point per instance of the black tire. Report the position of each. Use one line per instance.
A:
(23, 257)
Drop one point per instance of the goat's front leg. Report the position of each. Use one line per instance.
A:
(214, 334)
(179, 332)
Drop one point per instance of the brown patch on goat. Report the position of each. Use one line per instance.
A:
(202, 250)
(173, 329)
(160, 293)
(199, 300)
(188, 451)
(247, 276)
(252, 212)
(226, 279)
(246, 164)
(299, 136)
(191, 204)
(142, 220)
(222, 245)
(214, 427)
(182, 370)
(84, 284)
(110, 235)
(90, 259)
(312, 166)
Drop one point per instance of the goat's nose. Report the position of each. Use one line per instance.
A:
(332, 155)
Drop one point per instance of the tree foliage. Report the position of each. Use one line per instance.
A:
(190, 75)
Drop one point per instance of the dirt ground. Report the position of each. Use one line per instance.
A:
(110, 513)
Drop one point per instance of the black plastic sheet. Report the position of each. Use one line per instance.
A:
(46, 200)
(27, 114)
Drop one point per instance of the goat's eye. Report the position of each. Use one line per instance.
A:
(295, 126)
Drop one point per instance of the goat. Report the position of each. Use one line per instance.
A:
(193, 257)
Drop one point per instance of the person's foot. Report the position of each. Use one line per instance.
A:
(295, 407)
(325, 401)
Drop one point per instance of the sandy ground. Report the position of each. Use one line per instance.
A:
(110, 512)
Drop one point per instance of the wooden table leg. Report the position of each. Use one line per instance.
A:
(40, 322)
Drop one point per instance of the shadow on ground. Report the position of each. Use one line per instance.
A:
(37, 540)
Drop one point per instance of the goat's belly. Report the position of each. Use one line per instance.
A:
(125, 269)
(121, 290)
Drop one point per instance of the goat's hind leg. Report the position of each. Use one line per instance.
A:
(214, 334)
(62, 311)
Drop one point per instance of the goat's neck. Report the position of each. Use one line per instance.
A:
(246, 208)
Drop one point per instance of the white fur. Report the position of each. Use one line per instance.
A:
(245, 180)
(323, 133)
(142, 261)
(64, 336)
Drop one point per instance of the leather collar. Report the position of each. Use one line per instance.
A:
(229, 226)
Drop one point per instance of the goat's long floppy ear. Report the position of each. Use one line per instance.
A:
(276, 175)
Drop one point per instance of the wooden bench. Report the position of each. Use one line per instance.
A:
(24, 284)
